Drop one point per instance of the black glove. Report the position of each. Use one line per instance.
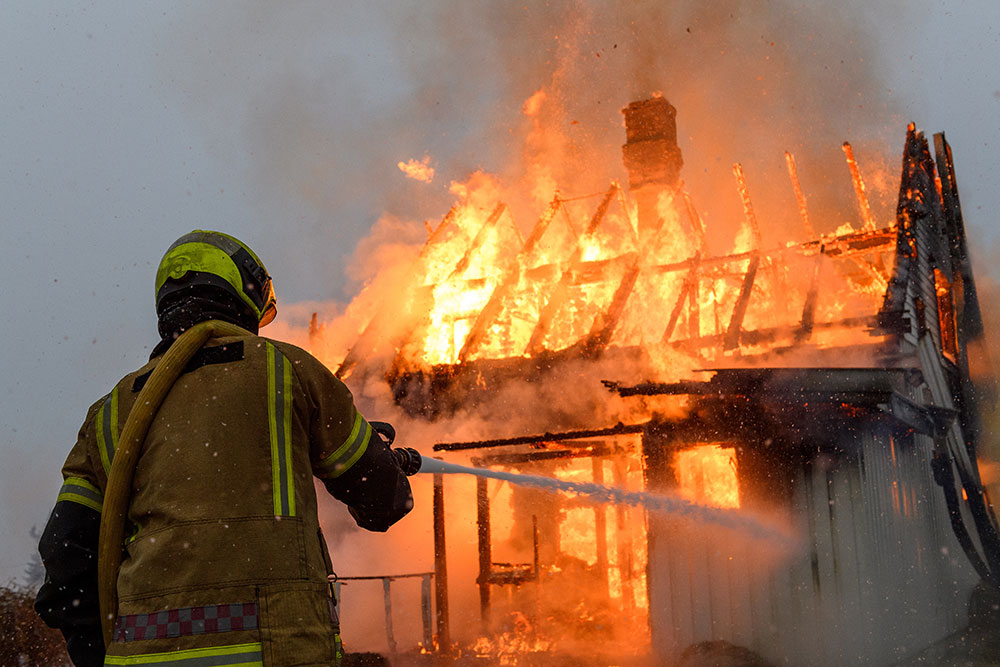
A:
(385, 430)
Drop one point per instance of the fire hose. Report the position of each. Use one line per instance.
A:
(147, 404)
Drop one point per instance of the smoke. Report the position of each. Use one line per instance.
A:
(532, 95)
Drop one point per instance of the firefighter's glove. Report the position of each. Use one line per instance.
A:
(408, 460)
(385, 430)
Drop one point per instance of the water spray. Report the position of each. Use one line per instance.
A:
(652, 502)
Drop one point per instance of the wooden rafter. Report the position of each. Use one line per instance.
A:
(805, 329)
(494, 305)
(689, 281)
(732, 337)
(558, 295)
(606, 322)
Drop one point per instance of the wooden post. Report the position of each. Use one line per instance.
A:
(425, 611)
(387, 601)
(440, 567)
(600, 526)
(485, 551)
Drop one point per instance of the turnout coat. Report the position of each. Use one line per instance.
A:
(224, 560)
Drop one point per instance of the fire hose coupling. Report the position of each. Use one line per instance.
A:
(409, 460)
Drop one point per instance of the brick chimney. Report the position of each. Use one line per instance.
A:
(651, 156)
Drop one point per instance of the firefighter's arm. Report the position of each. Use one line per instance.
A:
(68, 547)
(373, 486)
(349, 456)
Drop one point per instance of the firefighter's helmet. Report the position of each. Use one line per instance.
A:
(213, 259)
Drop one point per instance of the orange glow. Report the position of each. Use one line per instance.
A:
(419, 170)
(706, 475)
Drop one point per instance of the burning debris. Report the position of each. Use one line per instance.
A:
(822, 383)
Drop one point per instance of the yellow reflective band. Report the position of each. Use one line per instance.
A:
(106, 425)
(347, 454)
(205, 257)
(82, 492)
(238, 655)
(279, 418)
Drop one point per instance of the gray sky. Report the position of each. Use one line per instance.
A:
(126, 124)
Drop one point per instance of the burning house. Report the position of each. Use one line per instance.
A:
(822, 385)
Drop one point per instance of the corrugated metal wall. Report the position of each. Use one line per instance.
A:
(878, 575)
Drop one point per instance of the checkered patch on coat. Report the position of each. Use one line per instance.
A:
(186, 621)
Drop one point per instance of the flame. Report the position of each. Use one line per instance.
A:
(706, 474)
(419, 170)
(495, 286)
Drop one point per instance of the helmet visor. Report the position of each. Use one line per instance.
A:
(270, 304)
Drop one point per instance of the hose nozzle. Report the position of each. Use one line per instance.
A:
(408, 459)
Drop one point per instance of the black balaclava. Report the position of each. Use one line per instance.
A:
(185, 308)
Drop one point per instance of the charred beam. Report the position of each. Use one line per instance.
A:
(605, 323)
(519, 458)
(771, 334)
(618, 429)
(869, 386)
(696, 224)
(809, 307)
(600, 526)
(732, 337)
(485, 551)
(748, 214)
(440, 568)
(417, 333)
(445, 224)
(478, 241)
(689, 282)
(859, 188)
(838, 248)
(800, 198)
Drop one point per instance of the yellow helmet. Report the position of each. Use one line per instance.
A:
(221, 261)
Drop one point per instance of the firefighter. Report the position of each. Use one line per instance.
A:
(224, 562)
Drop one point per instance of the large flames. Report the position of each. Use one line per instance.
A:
(706, 474)
(510, 278)
(585, 271)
